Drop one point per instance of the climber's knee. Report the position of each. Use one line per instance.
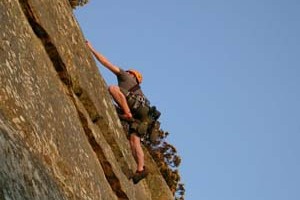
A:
(134, 139)
(113, 89)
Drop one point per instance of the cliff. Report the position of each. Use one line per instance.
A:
(60, 136)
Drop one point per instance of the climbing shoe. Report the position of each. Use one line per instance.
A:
(139, 175)
(126, 117)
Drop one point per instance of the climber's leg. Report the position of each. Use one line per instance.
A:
(137, 151)
(120, 99)
(138, 154)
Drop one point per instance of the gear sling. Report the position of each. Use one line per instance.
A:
(144, 114)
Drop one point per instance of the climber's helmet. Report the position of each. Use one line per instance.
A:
(136, 74)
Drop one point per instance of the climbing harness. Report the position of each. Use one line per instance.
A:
(135, 101)
(145, 116)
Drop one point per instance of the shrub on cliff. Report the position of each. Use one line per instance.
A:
(168, 161)
(75, 3)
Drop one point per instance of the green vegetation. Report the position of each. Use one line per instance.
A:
(75, 3)
(168, 161)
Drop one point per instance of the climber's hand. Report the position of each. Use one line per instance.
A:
(89, 44)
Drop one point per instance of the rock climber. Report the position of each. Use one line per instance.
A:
(128, 85)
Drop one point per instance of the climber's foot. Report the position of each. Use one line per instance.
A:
(139, 175)
(126, 116)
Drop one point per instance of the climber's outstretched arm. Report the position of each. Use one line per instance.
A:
(105, 62)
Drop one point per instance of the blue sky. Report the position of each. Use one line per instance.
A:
(225, 75)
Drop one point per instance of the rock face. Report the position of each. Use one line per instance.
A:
(60, 137)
